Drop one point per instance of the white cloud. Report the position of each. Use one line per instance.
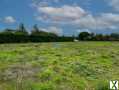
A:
(43, 3)
(87, 22)
(83, 30)
(53, 29)
(9, 19)
(103, 21)
(114, 4)
(78, 17)
(108, 20)
(64, 12)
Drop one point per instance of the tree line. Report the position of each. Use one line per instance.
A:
(86, 36)
(21, 35)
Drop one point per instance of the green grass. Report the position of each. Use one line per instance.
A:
(59, 66)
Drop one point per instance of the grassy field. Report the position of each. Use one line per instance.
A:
(59, 66)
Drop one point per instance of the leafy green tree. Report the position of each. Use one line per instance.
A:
(38, 35)
(84, 36)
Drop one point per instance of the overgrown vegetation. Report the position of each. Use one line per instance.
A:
(59, 66)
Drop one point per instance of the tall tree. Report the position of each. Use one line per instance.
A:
(21, 30)
(35, 31)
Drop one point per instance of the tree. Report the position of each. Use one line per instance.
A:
(35, 31)
(7, 36)
(84, 36)
(115, 36)
(21, 34)
(99, 37)
(21, 30)
(38, 35)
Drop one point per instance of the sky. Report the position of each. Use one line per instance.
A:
(63, 17)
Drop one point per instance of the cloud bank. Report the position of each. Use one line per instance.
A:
(8, 20)
(78, 17)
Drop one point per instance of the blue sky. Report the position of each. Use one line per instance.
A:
(61, 16)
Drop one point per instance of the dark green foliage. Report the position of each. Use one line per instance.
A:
(85, 36)
(115, 36)
(21, 35)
